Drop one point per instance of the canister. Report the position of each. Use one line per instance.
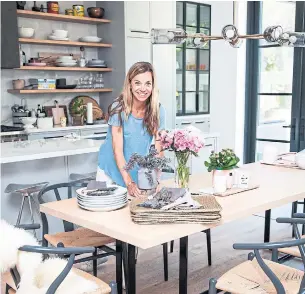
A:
(78, 10)
(53, 7)
(69, 11)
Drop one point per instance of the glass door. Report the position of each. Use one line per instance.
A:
(275, 82)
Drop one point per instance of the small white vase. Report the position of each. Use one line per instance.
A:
(143, 181)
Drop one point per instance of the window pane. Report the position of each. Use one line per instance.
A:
(278, 13)
(203, 101)
(191, 14)
(204, 60)
(274, 113)
(179, 13)
(179, 102)
(179, 54)
(191, 59)
(205, 16)
(190, 30)
(190, 102)
(204, 81)
(276, 68)
(190, 81)
(260, 145)
(179, 81)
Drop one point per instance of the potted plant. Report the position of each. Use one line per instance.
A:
(78, 112)
(185, 143)
(221, 164)
(149, 166)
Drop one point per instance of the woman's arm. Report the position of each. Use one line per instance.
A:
(117, 143)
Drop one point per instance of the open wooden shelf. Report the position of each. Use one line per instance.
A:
(12, 91)
(61, 17)
(42, 68)
(60, 43)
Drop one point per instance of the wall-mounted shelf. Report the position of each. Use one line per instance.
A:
(12, 91)
(61, 43)
(43, 68)
(61, 17)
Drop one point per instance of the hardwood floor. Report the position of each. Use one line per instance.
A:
(150, 262)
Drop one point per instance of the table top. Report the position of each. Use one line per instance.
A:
(277, 186)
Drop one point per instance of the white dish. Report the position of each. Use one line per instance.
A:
(110, 204)
(90, 39)
(66, 64)
(52, 37)
(26, 32)
(60, 33)
(103, 209)
(101, 198)
(102, 202)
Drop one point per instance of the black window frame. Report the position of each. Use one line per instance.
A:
(297, 141)
(198, 71)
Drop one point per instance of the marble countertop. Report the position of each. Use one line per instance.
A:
(39, 149)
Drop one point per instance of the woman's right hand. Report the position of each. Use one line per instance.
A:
(133, 190)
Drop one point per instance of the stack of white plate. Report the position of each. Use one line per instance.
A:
(90, 39)
(108, 202)
(66, 61)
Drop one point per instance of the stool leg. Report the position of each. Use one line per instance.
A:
(294, 210)
(165, 261)
(172, 246)
(95, 263)
(20, 212)
(303, 226)
(31, 212)
(209, 246)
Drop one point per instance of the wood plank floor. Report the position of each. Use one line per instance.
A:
(150, 262)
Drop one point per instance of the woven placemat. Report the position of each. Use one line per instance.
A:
(209, 212)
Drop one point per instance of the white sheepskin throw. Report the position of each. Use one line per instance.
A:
(36, 276)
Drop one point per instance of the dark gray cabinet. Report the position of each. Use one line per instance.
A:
(9, 35)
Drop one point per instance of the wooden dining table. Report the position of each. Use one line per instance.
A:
(277, 186)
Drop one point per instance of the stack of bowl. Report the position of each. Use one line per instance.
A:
(65, 61)
(59, 35)
(96, 63)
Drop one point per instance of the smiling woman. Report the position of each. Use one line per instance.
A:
(135, 118)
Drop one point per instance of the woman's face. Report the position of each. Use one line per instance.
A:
(141, 86)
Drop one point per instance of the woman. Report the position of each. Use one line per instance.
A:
(135, 118)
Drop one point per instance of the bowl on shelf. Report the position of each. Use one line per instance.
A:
(26, 32)
(60, 33)
(28, 122)
(90, 39)
(96, 12)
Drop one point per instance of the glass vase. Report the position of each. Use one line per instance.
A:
(182, 169)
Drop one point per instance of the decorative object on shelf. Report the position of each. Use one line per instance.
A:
(185, 143)
(18, 84)
(25, 32)
(222, 165)
(96, 12)
(78, 10)
(149, 167)
(20, 4)
(53, 7)
(46, 84)
(69, 11)
(82, 60)
(271, 34)
(35, 8)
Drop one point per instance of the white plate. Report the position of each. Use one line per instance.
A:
(52, 37)
(90, 39)
(99, 205)
(101, 198)
(103, 208)
(118, 192)
(66, 64)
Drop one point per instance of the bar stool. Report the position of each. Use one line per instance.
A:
(26, 191)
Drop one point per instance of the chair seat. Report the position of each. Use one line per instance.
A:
(104, 288)
(294, 251)
(80, 237)
(248, 277)
(25, 188)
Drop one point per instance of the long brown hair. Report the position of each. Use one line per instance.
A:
(125, 100)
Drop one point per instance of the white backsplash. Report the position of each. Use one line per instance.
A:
(42, 29)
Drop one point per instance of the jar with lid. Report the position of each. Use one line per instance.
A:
(78, 10)
(52, 7)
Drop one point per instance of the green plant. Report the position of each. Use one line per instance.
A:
(223, 160)
(78, 107)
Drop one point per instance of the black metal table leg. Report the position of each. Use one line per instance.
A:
(119, 277)
(183, 265)
(131, 270)
(267, 225)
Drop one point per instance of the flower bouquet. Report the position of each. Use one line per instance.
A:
(184, 142)
(148, 167)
